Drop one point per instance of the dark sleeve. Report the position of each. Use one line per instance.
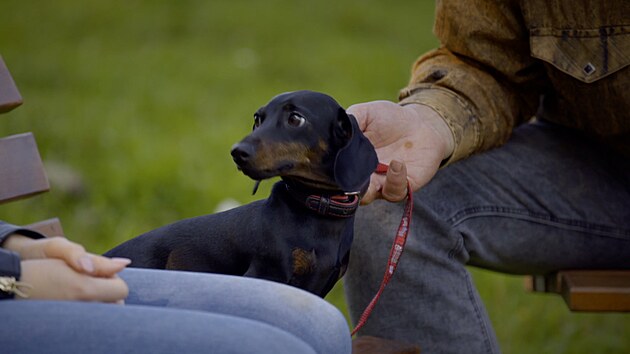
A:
(7, 229)
(9, 264)
(9, 267)
(10, 261)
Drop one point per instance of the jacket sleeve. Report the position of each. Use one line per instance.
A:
(7, 230)
(9, 264)
(482, 80)
(10, 261)
(9, 267)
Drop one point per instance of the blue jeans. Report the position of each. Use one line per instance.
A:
(547, 200)
(180, 312)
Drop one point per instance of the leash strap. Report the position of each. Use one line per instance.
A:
(394, 255)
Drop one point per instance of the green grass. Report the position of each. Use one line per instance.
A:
(143, 100)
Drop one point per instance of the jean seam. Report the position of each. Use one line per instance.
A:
(471, 296)
(540, 218)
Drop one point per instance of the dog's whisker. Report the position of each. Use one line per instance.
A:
(256, 184)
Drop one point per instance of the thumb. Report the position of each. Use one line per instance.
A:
(395, 186)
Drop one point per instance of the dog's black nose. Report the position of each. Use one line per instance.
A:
(242, 152)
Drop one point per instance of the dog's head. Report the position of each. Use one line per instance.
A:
(307, 137)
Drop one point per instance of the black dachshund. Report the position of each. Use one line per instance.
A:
(301, 234)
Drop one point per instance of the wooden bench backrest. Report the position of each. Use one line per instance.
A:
(22, 173)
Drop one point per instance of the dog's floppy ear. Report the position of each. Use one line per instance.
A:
(356, 160)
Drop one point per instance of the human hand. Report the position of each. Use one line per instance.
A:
(73, 254)
(54, 279)
(412, 139)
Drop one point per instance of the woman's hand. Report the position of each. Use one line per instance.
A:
(53, 279)
(73, 254)
(59, 269)
(412, 139)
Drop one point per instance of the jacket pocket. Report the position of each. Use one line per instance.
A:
(586, 54)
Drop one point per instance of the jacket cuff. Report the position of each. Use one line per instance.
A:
(456, 112)
(7, 229)
(9, 264)
(9, 267)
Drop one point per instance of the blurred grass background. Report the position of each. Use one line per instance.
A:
(135, 105)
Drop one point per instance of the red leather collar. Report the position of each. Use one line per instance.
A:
(340, 206)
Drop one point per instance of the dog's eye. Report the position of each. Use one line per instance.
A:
(257, 120)
(296, 120)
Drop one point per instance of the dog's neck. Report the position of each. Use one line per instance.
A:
(329, 203)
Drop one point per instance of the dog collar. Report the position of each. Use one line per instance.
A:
(341, 206)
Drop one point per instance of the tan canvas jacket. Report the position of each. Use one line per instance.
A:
(502, 62)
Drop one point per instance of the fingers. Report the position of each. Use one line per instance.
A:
(391, 187)
(112, 290)
(54, 279)
(373, 191)
(81, 261)
(364, 112)
(395, 187)
(359, 111)
(72, 253)
(107, 267)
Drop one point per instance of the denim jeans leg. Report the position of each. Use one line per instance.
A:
(549, 199)
(69, 327)
(180, 312)
(300, 313)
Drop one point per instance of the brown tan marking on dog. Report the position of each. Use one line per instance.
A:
(303, 261)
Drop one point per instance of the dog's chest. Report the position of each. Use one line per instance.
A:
(318, 268)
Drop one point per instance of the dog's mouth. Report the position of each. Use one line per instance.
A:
(259, 174)
(313, 184)
(287, 170)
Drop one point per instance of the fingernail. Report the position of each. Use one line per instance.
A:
(86, 263)
(395, 166)
(121, 260)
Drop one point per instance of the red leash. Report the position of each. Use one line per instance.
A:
(394, 254)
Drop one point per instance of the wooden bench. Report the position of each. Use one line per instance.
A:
(22, 173)
(587, 290)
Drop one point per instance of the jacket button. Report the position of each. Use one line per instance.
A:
(589, 68)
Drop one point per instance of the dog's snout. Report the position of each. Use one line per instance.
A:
(242, 152)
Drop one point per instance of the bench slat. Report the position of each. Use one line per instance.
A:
(9, 95)
(21, 170)
(587, 290)
(49, 228)
(605, 290)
